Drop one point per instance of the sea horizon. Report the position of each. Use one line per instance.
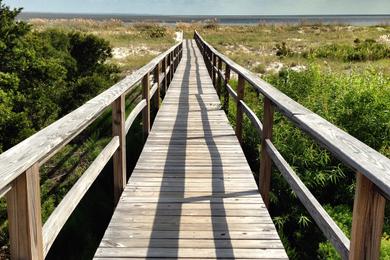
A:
(354, 19)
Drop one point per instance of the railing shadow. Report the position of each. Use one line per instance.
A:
(176, 151)
(220, 227)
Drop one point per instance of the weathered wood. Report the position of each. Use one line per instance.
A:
(203, 253)
(164, 70)
(191, 183)
(146, 110)
(24, 216)
(134, 113)
(335, 235)
(153, 91)
(62, 212)
(348, 149)
(239, 114)
(171, 66)
(214, 78)
(156, 79)
(367, 221)
(5, 190)
(42, 145)
(225, 90)
(219, 82)
(252, 116)
(119, 158)
(265, 159)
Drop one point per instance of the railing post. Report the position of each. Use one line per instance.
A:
(214, 70)
(211, 65)
(157, 81)
(171, 67)
(226, 92)
(265, 159)
(219, 77)
(239, 114)
(164, 70)
(24, 216)
(119, 157)
(146, 110)
(367, 221)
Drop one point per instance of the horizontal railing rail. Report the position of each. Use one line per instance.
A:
(372, 168)
(19, 166)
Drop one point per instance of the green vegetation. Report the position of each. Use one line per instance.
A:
(367, 50)
(48, 68)
(356, 99)
(43, 76)
(359, 104)
(133, 44)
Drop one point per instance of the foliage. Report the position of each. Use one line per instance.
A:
(359, 104)
(282, 49)
(365, 50)
(44, 75)
(152, 30)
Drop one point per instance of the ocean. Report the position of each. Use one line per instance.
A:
(229, 20)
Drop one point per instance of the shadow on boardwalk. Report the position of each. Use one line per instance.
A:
(177, 153)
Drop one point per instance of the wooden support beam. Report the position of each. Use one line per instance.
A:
(24, 216)
(146, 110)
(265, 159)
(367, 222)
(119, 158)
(214, 70)
(171, 67)
(164, 69)
(219, 82)
(156, 79)
(226, 92)
(239, 114)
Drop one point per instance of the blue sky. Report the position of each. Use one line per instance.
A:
(206, 7)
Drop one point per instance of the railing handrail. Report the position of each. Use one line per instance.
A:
(372, 168)
(47, 141)
(348, 149)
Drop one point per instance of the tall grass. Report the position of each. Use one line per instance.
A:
(359, 104)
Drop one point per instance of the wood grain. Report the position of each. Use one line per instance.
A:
(48, 141)
(367, 221)
(225, 91)
(134, 113)
(119, 158)
(62, 212)
(239, 112)
(146, 110)
(355, 154)
(265, 159)
(24, 216)
(192, 193)
(330, 229)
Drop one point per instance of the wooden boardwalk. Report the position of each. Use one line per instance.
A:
(192, 193)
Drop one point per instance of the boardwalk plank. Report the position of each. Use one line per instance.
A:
(192, 193)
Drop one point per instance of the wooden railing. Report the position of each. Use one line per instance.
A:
(372, 168)
(19, 166)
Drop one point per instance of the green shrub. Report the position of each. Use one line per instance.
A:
(282, 50)
(359, 103)
(360, 51)
(152, 30)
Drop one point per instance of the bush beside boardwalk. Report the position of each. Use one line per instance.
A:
(346, 81)
(340, 72)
